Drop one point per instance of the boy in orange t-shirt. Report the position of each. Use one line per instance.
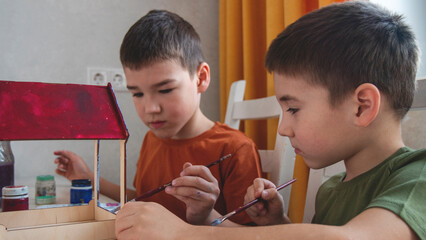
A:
(166, 74)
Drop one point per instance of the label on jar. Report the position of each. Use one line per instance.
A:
(15, 198)
(45, 190)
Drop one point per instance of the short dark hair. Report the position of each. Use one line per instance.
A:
(161, 35)
(344, 45)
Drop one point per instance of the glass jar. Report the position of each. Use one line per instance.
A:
(81, 191)
(15, 198)
(6, 166)
(45, 189)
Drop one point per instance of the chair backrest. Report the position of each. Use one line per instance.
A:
(419, 102)
(413, 125)
(318, 176)
(279, 162)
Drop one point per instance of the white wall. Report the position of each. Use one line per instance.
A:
(55, 41)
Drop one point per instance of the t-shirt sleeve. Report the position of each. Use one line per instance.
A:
(239, 175)
(405, 195)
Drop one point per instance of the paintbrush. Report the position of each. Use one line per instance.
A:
(161, 188)
(221, 219)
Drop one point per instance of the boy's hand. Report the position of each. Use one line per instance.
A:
(147, 220)
(72, 166)
(267, 212)
(199, 190)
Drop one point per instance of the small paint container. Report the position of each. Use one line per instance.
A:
(81, 191)
(45, 190)
(14, 198)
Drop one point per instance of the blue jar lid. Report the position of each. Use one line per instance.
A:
(81, 183)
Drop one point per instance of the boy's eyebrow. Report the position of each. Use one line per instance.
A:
(131, 87)
(157, 85)
(287, 98)
(164, 82)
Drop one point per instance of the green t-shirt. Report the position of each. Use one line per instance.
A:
(397, 184)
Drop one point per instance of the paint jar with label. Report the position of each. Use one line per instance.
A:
(45, 189)
(14, 198)
(81, 191)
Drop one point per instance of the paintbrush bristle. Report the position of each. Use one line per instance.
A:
(215, 222)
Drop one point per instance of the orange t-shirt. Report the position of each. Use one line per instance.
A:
(161, 161)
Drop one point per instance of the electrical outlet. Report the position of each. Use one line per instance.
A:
(101, 76)
(117, 79)
(97, 76)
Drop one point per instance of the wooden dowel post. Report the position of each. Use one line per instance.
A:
(123, 196)
(96, 172)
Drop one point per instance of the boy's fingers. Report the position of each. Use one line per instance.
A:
(193, 193)
(192, 186)
(268, 184)
(249, 194)
(61, 160)
(257, 213)
(198, 170)
(260, 184)
(60, 172)
(61, 153)
(57, 152)
(269, 194)
(186, 165)
(196, 183)
(182, 199)
(62, 167)
(65, 154)
(255, 209)
(124, 222)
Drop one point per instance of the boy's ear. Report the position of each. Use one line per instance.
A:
(368, 100)
(203, 77)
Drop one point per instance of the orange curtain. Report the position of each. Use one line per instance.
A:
(246, 28)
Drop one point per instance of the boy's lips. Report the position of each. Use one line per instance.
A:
(157, 124)
(297, 151)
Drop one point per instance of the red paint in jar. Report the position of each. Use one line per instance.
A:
(14, 198)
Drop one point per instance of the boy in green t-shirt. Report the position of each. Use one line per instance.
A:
(344, 76)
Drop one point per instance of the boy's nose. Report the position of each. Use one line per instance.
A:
(152, 106)
(284, 129)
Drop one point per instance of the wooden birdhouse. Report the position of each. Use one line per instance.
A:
(48, 111)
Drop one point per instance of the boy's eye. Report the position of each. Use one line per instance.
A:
(137, 94)
(292, 110)
(166, 90)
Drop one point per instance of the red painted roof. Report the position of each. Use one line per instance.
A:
(36, 111)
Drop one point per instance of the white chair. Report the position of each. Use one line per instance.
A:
(413, 125)
(419, 102)
(279, 163)
(318, 176)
